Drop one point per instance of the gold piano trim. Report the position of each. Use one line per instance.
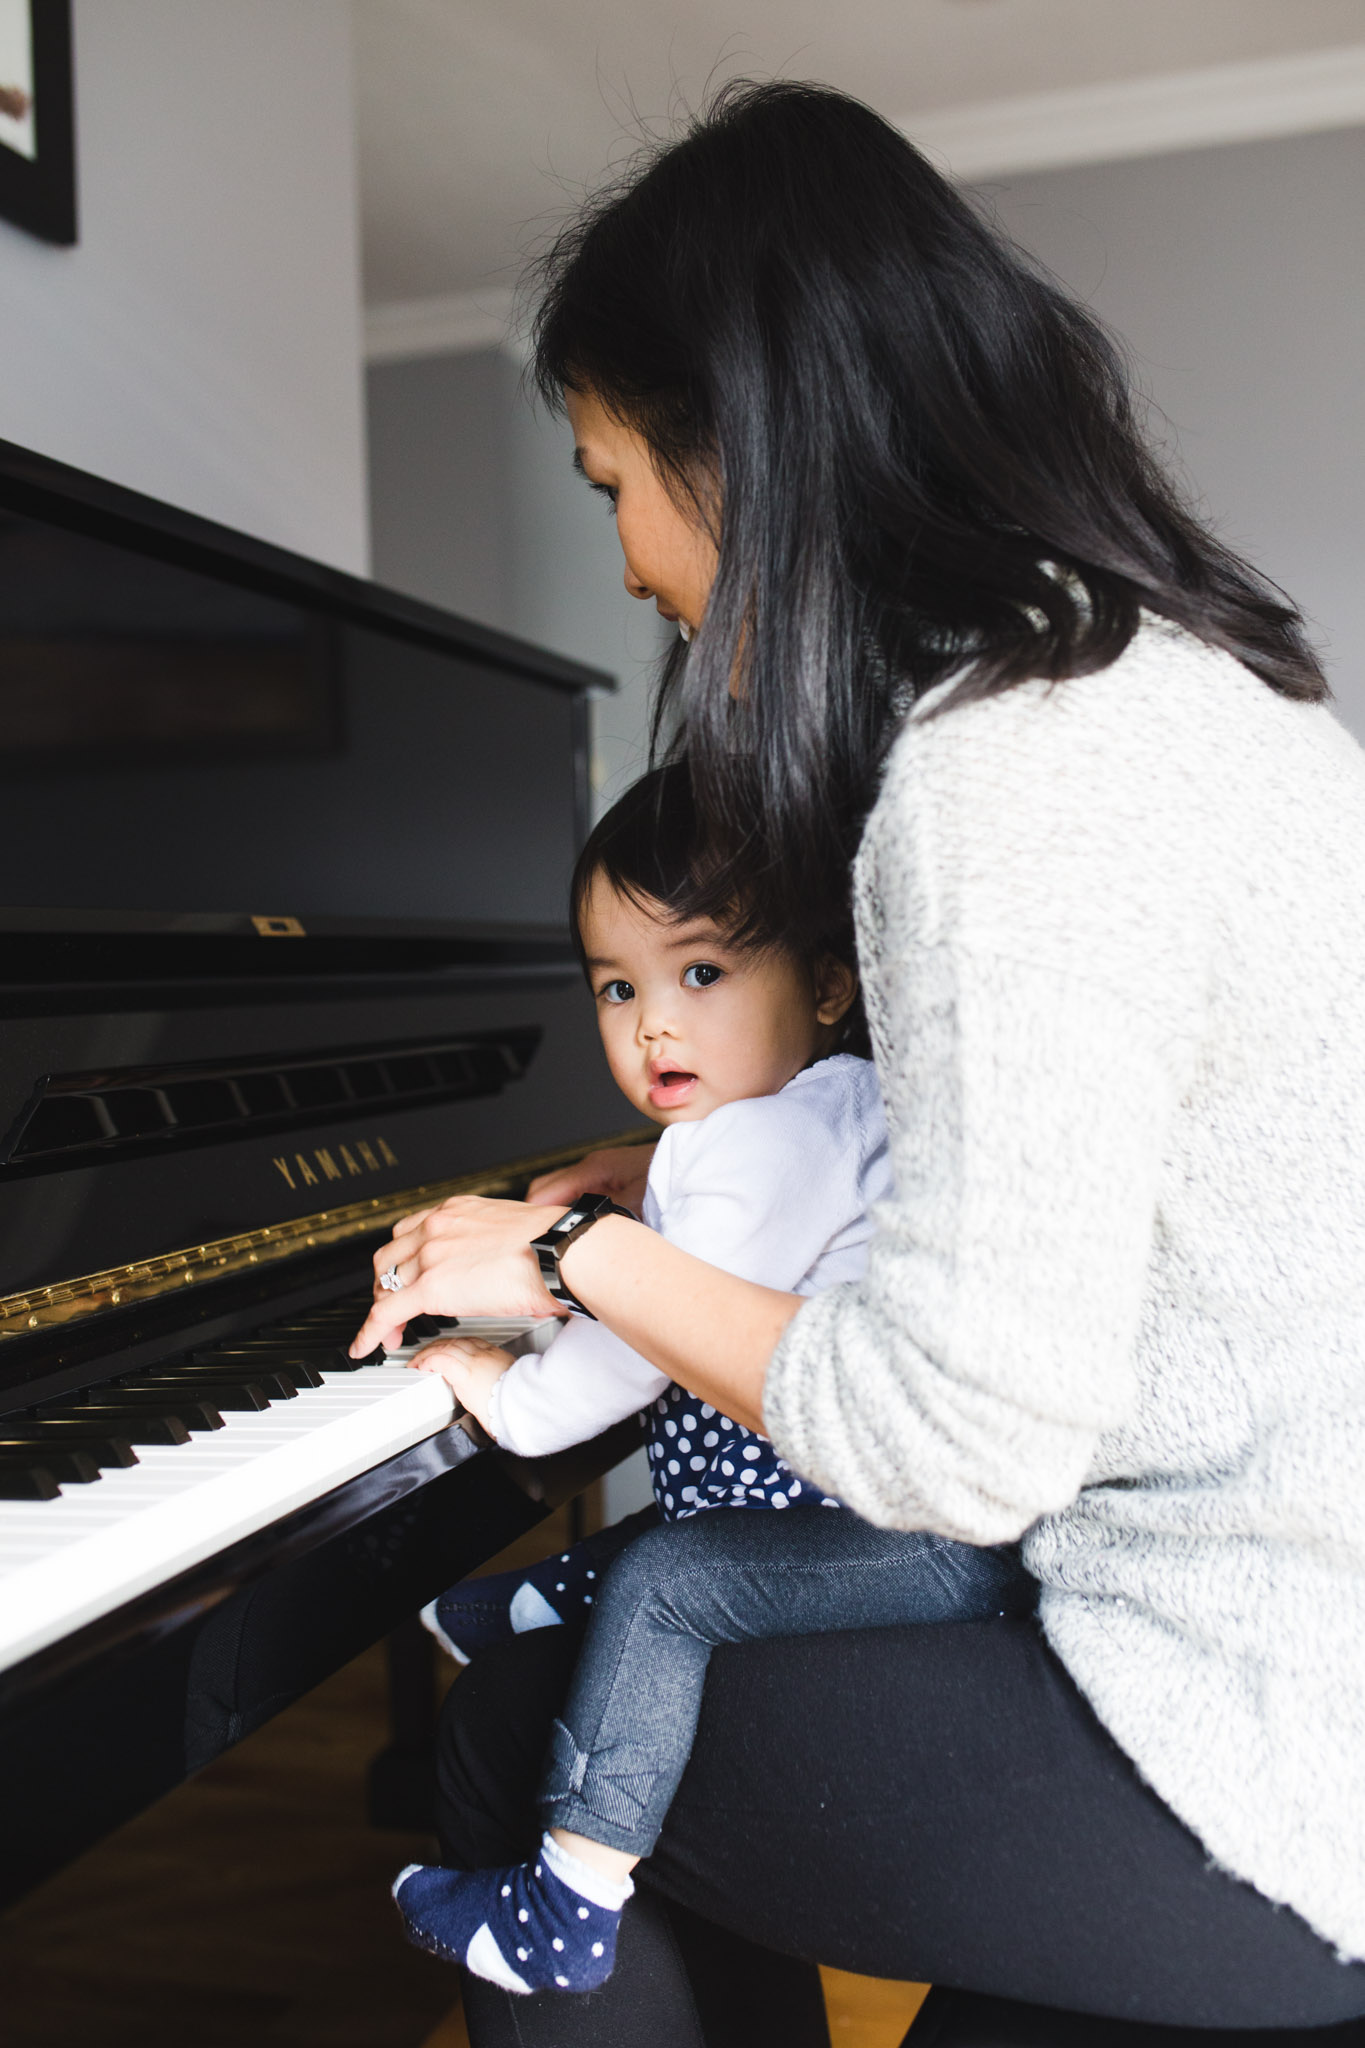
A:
(45, 1308)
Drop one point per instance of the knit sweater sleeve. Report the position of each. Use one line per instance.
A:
(1033, 1025)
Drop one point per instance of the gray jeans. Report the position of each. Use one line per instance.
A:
(733, 1576)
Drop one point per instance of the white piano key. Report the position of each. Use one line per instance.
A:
(513, 1333)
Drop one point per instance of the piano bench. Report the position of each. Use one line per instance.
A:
(969, 2019)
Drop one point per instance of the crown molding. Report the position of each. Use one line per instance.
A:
(1133, 117)
(451, 324)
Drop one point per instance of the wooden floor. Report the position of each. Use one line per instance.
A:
(863, 2013)
(252, 1907)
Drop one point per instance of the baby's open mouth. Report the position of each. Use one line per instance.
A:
(670, 1086)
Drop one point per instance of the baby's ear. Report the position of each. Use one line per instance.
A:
(836, 989)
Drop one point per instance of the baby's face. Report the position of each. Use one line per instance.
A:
(687, 1019)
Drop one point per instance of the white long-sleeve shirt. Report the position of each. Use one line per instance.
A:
(776, 1189)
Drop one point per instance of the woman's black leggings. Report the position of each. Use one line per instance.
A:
(934, 1803)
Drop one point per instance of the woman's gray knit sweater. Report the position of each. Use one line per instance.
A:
(1113, 945)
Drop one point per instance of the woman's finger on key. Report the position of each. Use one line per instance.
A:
(387, 1316)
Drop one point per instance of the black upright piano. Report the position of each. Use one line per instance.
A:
(285, 956)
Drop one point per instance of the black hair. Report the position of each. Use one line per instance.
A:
(651, 847)
(918, 455)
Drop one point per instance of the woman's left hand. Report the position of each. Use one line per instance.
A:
(469, 1257)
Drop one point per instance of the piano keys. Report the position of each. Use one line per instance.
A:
(234, 1459)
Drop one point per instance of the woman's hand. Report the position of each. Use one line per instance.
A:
(470, 1368)
(620, 1171)
(468, 1257)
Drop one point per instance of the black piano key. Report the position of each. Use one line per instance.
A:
(338, 1358)
(129, 1424)
(107, 1450)
(314, 1319)
(302, 1368)
(112, 1402)
(342, 1360)
(77, 1468)
(316, 1326)
(186, 1373)
(304, 1372)
(241, 1396)
(418, 1329)
(315, 1343)
(21, 1482)
(344, 1305)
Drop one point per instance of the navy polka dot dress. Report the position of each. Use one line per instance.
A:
(699, 1459)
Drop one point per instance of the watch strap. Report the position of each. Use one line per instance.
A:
(552, 1244)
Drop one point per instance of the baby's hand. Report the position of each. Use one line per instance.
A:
(470, 1367)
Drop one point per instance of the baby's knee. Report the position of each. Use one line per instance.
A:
(645, 1563)
(671, 1571)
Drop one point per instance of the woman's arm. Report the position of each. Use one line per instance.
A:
(709, 1330)
(754, 1192)
(706, 1329)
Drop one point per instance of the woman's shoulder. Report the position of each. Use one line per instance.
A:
(1166, 707)
(1147, 775)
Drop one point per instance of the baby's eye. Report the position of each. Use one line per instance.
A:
(702, 975)
(618, 992)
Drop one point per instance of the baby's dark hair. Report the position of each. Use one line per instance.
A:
(649, 845)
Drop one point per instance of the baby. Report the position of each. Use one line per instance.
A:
(773, 1150)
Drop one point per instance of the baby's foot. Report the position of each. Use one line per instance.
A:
(542, 1926)
(480, 1612)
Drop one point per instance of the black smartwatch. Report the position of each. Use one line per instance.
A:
(552, 1244)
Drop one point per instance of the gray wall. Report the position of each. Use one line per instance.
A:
(441, 480)
(474, 505)
(202, 341)
(1237, 277)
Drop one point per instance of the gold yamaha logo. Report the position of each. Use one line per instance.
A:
(365, 1158)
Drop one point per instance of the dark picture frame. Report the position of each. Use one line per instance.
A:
(38, 190)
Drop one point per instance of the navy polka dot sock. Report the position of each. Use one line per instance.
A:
(480, 1612)
(543, 1926)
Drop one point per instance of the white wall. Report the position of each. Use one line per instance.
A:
(202, 341)
(1237, 276)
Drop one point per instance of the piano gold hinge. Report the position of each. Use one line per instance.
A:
(66, 1301)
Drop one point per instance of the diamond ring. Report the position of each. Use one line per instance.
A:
(392, 1280)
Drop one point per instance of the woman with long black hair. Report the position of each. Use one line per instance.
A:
(943, 608)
